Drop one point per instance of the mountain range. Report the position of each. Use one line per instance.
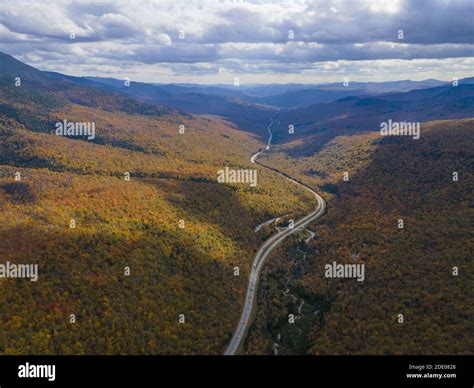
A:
(135, 237)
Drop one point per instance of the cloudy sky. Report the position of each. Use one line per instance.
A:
(212, 41)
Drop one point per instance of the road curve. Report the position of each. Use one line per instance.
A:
(265, 250)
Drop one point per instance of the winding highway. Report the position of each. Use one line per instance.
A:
(265, 250)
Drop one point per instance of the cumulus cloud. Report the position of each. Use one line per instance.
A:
(198, 37)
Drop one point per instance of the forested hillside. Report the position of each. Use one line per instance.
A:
(142, 251)
(125, 256)
(423, 271)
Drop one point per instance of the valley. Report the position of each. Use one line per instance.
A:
(130, 224)
(266, 188)
(144, 229)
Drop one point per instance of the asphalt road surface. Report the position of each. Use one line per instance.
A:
(265, 250)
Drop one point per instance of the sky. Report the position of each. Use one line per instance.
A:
(212, 41)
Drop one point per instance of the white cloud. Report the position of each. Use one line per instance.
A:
(240, 36)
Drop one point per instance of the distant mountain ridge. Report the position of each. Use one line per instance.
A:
(309, 108)
(58, 88)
